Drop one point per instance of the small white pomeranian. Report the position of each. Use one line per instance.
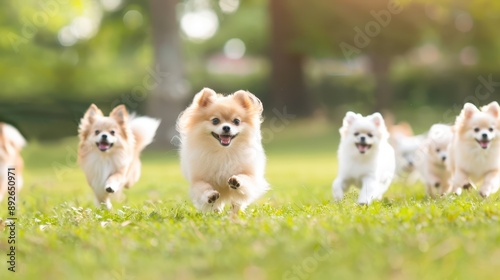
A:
(435, 156)
(221, 152)
(11, 143)
(366, 159)
(110, 147)
(475, 149)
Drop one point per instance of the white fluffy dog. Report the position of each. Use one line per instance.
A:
(366, 159)
(435, 156)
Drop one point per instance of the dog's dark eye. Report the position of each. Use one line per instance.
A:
(476, 129)
(112, 132)
(97, 132)
(236, 121)
(491, 129)
(438, 150)
(215, 121)
(356, 134)
(370, 135)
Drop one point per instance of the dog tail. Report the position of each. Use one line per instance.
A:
(144, 130)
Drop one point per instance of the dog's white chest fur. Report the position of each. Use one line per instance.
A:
(216, 167)
(476, 161)
(379, 163)
(99, 167)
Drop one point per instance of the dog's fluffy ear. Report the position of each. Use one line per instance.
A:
(249, 101)
(379, 122)
(377, 119)
(120, 114)
(469, 110)
(88, 118)
(11, 140)
(349, 118)
(205, 97)
(493, 108)
(92, 113)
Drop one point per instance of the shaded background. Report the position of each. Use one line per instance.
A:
(315, 58)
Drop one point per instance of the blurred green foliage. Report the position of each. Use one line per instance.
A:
(45, 82)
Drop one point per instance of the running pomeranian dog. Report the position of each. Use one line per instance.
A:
(435, 157)
(110, 148)
(221, 151)
(475, 149)
(366, 159)
(11, 143)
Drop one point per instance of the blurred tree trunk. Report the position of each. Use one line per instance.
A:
(169, 93)
(381, 66)
(287, 75)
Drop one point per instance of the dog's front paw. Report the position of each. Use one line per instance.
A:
(233, 182)
(468, 186)
(111, 187)
(484, 193)
(213, 196)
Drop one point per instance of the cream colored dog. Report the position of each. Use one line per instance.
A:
(221, 151)
(475, 149)
(435, 156)
(11, 143)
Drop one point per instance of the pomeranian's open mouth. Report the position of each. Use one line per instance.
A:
(483, 143)
(363, 147)
(224, 139)
(104, 145)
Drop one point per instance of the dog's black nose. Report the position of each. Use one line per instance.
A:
(104, 136)
(485, 136)
(443, 158)
(226, 128)
(410, 163)
(363, 139)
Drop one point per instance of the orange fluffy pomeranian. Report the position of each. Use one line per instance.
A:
(11, 143)
(110, 148)
(221, 151)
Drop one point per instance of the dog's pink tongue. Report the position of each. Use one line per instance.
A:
(103, 146)
(225, 139)
(484, 144)
(362, 148)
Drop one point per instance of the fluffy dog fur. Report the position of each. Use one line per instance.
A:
(366, 159)
(475, 149)
(11, 143)
(435, 156)
(110, 148)
(407, 150)
(221, 152)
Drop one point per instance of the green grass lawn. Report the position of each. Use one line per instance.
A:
(294, 232)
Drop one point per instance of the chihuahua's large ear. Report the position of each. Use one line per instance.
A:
(249, 101)
(469, 110)
(493, 108)
(92, 113)
(120, 114)
(205, 97)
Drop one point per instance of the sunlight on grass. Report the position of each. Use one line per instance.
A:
(293, 232)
